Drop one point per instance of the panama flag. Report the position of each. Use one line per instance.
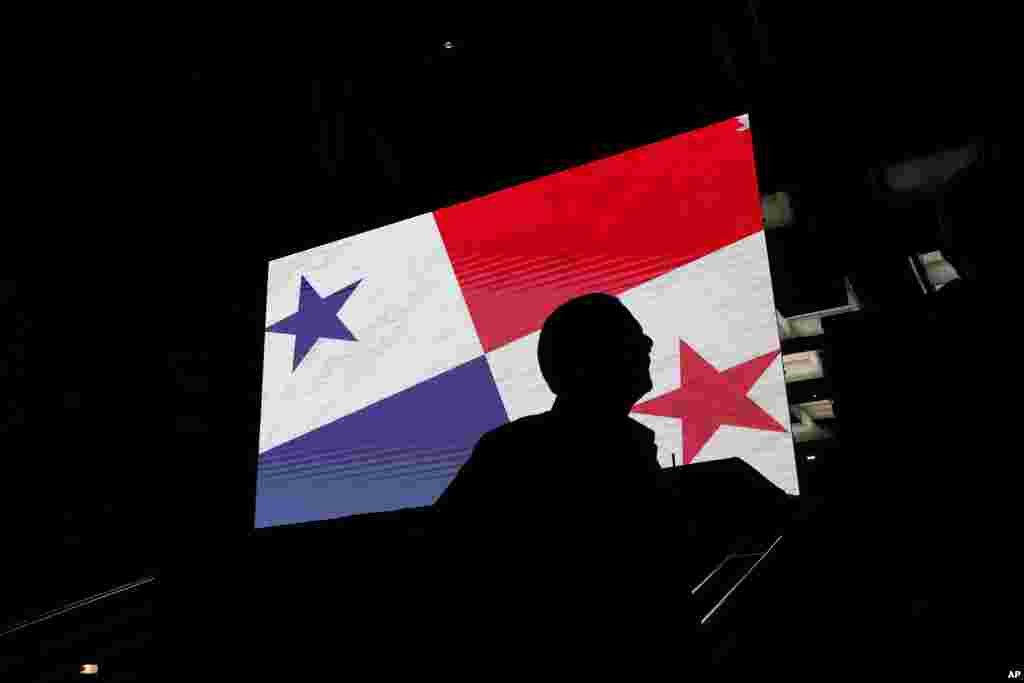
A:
(390, 353)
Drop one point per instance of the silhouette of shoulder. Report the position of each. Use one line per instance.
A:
(547, 423)
(523, 426)
(536, 452)
(475, 483)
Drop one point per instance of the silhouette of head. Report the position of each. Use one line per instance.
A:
(593, 352)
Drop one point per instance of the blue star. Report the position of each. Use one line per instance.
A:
(317, 318)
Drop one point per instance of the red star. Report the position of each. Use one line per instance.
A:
(708, 399)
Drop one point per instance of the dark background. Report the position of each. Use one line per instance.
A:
(173, 186)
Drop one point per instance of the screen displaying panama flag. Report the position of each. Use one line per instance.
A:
(390, 353)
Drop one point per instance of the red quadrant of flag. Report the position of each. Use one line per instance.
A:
(607, 226)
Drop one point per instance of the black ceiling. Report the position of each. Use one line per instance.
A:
(231, 165)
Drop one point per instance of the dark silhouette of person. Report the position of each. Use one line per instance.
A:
(558, 513)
